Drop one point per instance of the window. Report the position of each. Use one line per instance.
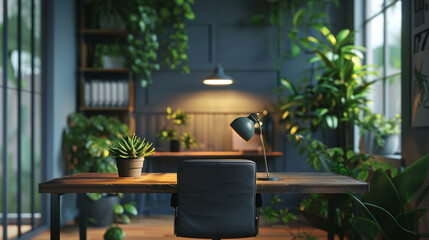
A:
(378, 27)
(20, 116)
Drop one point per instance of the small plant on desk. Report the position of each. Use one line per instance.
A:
(129, 153)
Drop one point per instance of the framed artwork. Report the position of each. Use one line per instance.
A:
(420, 63)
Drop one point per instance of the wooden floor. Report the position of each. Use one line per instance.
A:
(161, 228)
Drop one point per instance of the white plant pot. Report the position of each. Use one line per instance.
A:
(369, 145)
(391, 144)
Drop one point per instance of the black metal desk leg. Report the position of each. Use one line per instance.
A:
(55, 216)
(357, 213)
(82, 216)
(331, 215)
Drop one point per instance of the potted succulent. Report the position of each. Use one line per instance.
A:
(379, 134)
(129, 153)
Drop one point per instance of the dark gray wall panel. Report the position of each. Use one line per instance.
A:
(245, 47)
(205, 11)
(200, 46)
(251, 91)
(238, 12)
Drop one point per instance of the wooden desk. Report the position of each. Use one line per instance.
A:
(314, 182)
(167, 161)
(215, 154)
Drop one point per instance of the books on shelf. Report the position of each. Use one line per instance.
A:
(106, 93)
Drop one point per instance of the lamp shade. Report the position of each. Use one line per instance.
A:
(245, 126)
(218, 77)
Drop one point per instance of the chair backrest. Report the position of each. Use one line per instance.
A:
(216, 199)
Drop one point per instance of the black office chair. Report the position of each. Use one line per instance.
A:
(216, 199)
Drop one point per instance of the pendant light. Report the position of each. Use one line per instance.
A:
(218, 77)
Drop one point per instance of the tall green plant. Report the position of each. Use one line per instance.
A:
(85, 142)
(336, 99)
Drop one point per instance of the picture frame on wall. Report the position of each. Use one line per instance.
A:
(420, 64)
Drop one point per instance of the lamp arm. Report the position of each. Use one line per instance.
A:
(263, 149)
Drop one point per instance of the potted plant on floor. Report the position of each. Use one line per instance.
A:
(85, 142)
(335, 100)
(129, 153)
(379, 134)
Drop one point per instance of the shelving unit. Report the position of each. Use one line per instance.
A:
(107, 91)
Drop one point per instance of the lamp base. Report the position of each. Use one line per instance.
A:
(268, 179)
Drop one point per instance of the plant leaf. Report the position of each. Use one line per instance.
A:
(332, 121)
(383, 193)
(365, 227)
(131, 209)
(299, 15)
(411, 179)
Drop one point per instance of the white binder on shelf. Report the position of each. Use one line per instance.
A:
(121, 93)
(126, 93)
(87, 94)
(115, 99)
(108, 93)
(94, 93)
(102, 99)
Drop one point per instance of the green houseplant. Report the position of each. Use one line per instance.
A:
(85, 142)
(178, 118)
(109, 55)
(129, 152)
(335, 100)
(388, 209)
(382, 132)
(121, 211)
(147, 23)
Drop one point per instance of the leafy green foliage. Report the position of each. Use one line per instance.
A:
(188, 141)
(130, 147)
(143, 42)
(107, 49)
(85, 142)
(388, 205)
(273, 214)
(114, 233)
(122, 212)
(167, 134)
(294, 20)
(336, 100)
(338, 97)
(105, 9)
(380, 126)
(147, 21)
(178, 118)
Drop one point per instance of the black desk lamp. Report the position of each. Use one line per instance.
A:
(245, 128)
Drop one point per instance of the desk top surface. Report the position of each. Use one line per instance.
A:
(305, 182)
(214, 154)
